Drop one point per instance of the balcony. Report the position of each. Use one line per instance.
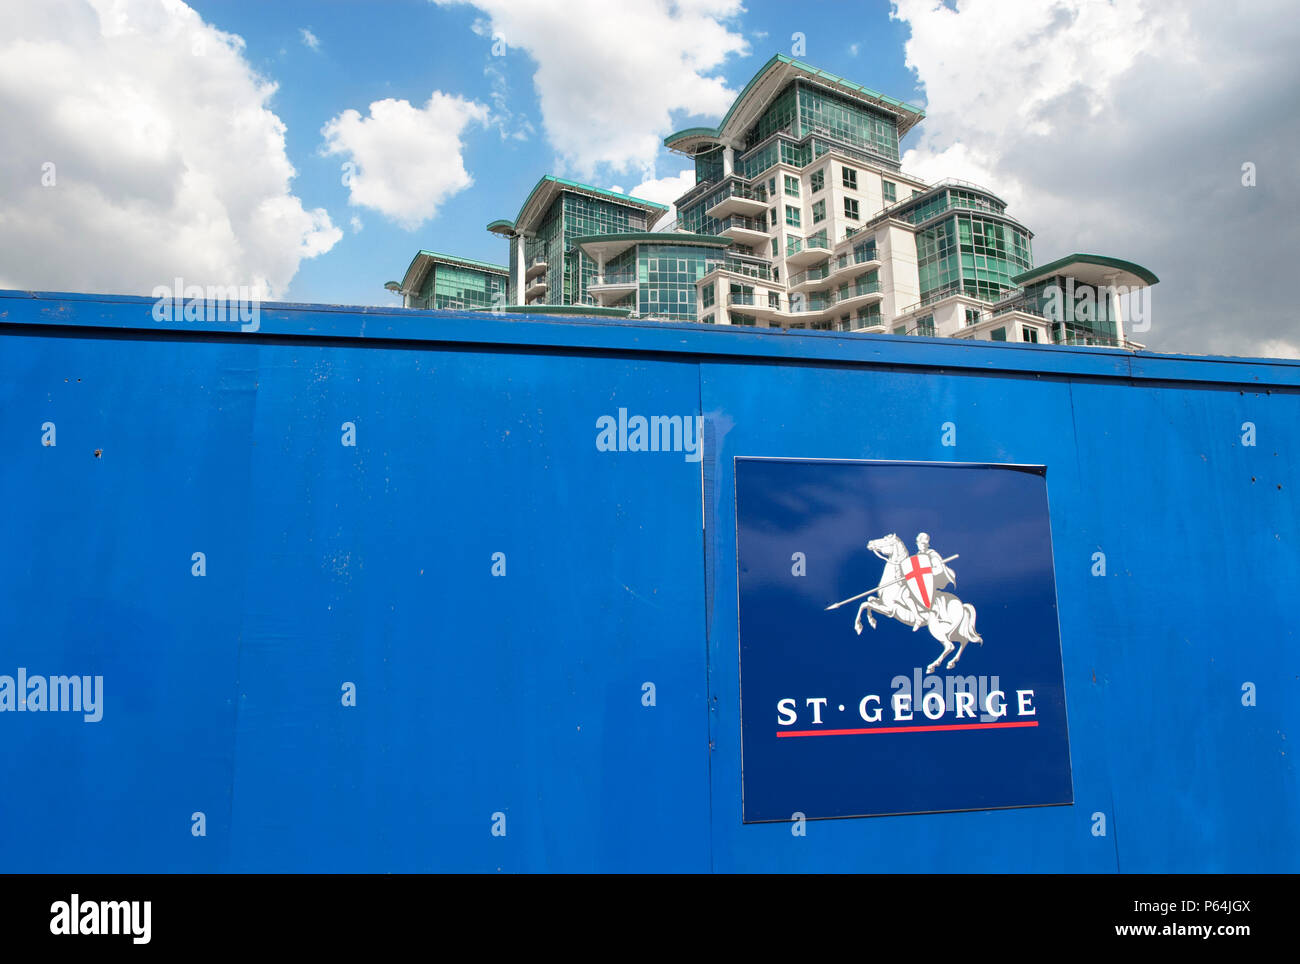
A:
(535, 267)
(743, 230)
(757, 304)
(814, 279)
(612, 285)
(534, 288)
(750, 269)
(741, 200)
(850, 297)
(800, 253)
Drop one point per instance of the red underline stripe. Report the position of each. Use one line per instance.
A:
(908, 729)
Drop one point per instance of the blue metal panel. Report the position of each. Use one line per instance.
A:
(523, 694)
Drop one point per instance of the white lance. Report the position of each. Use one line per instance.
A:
(883, 585)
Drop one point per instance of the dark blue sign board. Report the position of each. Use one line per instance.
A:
(899, 644)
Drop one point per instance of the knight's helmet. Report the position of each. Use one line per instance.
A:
(922, 541)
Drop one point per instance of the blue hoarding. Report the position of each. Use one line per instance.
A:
(899, 644)
(575, 706)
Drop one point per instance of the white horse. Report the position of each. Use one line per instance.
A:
(949, 620)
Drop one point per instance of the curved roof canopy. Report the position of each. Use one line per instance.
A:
(602, 247)
(763, 89)
(1091, 269)
(541, 197)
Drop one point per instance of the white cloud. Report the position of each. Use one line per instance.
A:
(665, 190)
(166, 159)
(309, 39)
(611, 76)
(1120, 128)
(405, 162)
(355, 223)
(508, 124)
(853, 49)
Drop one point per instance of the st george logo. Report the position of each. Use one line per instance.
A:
(835, 724)
(911, 591)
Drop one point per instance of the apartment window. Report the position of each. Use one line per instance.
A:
(706, 296)
(890, 191)
(1030, 334)
(776, 272)
(772, 219)
(901, 330)
(819, 212)
(792, 216)
(916, 193)
(817, 180)
(791, 185)
(998, 334)
(850, 179)
(771, 187)
(925, 326)
(773, 300)
(775, 248)
(707, 320)
(739, 319)
(972, 317)
(851, 208)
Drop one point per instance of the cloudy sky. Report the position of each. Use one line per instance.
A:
(308, 149)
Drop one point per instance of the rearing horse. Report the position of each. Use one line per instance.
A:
(949, 620)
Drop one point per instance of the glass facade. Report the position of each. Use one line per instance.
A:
(457, 286)
(970, 254)
(708, 166)
(838, 118)
(945, 200)
(666, 277)
(779, 116)
(1077, 314)
(573, 216)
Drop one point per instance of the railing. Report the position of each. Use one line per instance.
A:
(740, 221)
(838, 263)
(861, 288)
(813, 305)
(743, 298)
(820, 273)
(795, 245)
(536, 260)
(744, 191)
(746, 268)
(614, 278)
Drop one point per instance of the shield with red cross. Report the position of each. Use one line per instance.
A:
(919, 578)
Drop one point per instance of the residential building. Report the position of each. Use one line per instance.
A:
(802, 218)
